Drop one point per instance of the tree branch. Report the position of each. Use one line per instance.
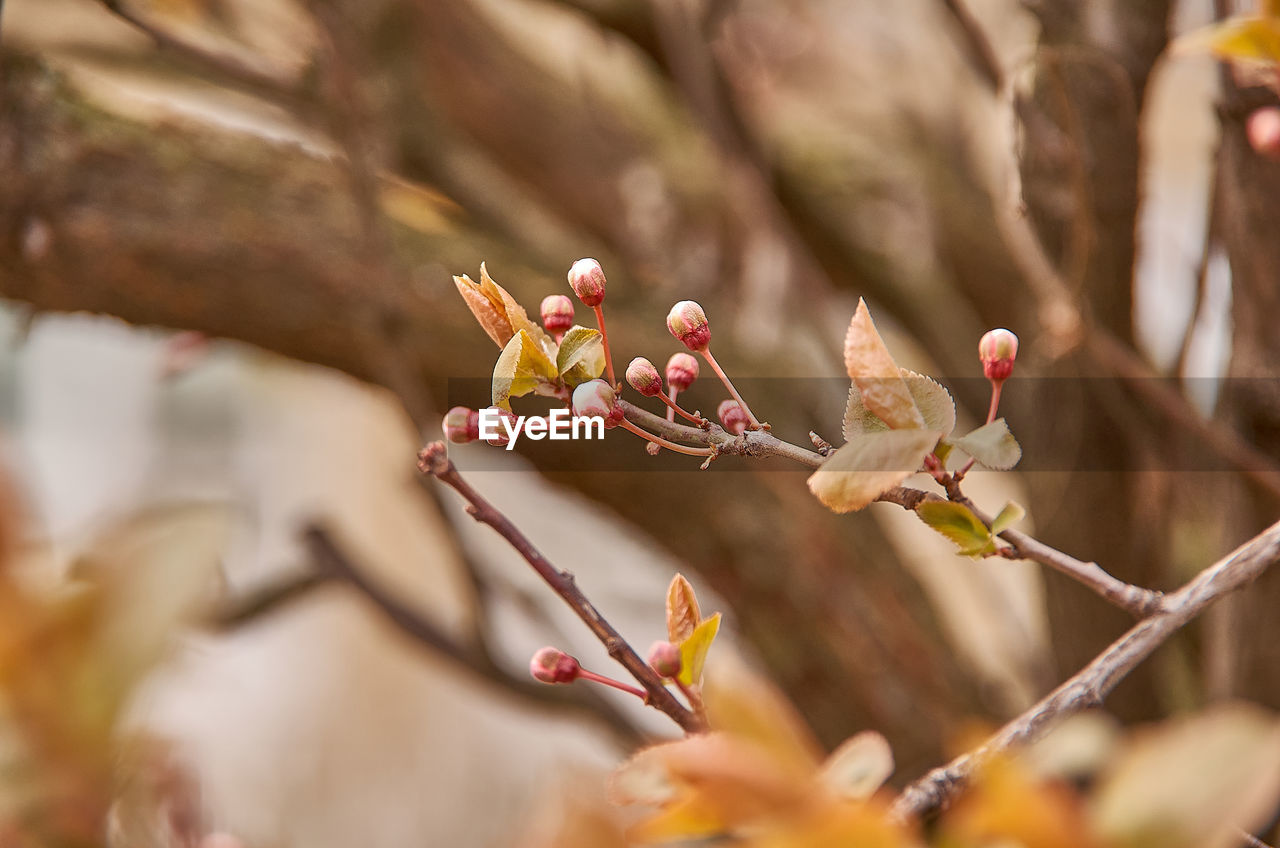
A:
(435, 461)
(1095, 681)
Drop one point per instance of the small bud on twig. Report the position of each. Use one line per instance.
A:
(586, 278)
(733, 417)
(502, 438)
(682, 370)
(997, 350)
(644, 377)
(552, 665)
(688, 323)
(1263, 129)
(461, 425)
(557, 313)
(597, 398)
(664, 658)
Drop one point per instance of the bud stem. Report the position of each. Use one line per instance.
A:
(583, 674)
(671, 409)
(724, 378)
(661, 442)
(692, 695)
(604, 339)
(672, 406)
(996, 387)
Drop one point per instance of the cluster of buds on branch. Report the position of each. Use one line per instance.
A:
(566, 361)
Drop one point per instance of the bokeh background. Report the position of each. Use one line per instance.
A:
(228, 234)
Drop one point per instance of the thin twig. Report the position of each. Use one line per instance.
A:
(334, 565)
(267, 601)
(434, 460)
(1095, 681)
(976, 45)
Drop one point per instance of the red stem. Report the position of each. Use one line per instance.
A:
(724, 378)
(583, 674)
(604, 339)
(671, 409)
(672, 406)
(661, 442)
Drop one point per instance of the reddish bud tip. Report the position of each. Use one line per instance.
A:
(1263, 129)
(664, 658)
(552, 665)
(644, 378)
(997, 350)
(733, 417)
(596, 398)
(499, 436)
(688, 323)
(682, 370)
(461, 425)
(586, 278)
(557, 313)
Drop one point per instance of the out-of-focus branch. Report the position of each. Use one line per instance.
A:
(434, 460)
(1095, 681)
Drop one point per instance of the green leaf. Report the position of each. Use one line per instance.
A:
(958, 523)
(878, 378)
(992, 445)
(859, 766)
(693, 651)
(1009, 516)
(520, 369)
(1193, 782)
(932, 400)
(869, 464)
(581, 356)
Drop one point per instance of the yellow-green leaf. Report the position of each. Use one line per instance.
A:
(868, 465)
(1238, 39)
(872, 369)
(992, 445)
(1009, 516)
(683, 614)
(1194, 782)
(934, 402)
(520, 369)
(693, 651)
(581, 356)
(958, 523)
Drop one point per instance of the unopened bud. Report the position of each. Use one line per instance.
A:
(733, 417)
(552, 665)
(664, 658)
(557, 313)
(682, 370)
(688, 323)
(597, 398)
(461, 425)
(997, 350)
(644, 378)
(1263, 129)
(501, 437)
(586, 278)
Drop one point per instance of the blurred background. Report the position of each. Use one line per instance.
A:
(228, 234)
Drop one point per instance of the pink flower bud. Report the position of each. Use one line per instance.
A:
(597, 398)
(682, 370)
(644, 378)
(664, 658)
(586, 278)
(552, 665)
(501, 438)
(688, 323)
(733, 417)
(997, 350)
(1263, 129)
(461, 425)
(557, 313)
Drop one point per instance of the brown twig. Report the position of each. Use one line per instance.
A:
(334, 565)
(434, 460)
(1094, 682)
